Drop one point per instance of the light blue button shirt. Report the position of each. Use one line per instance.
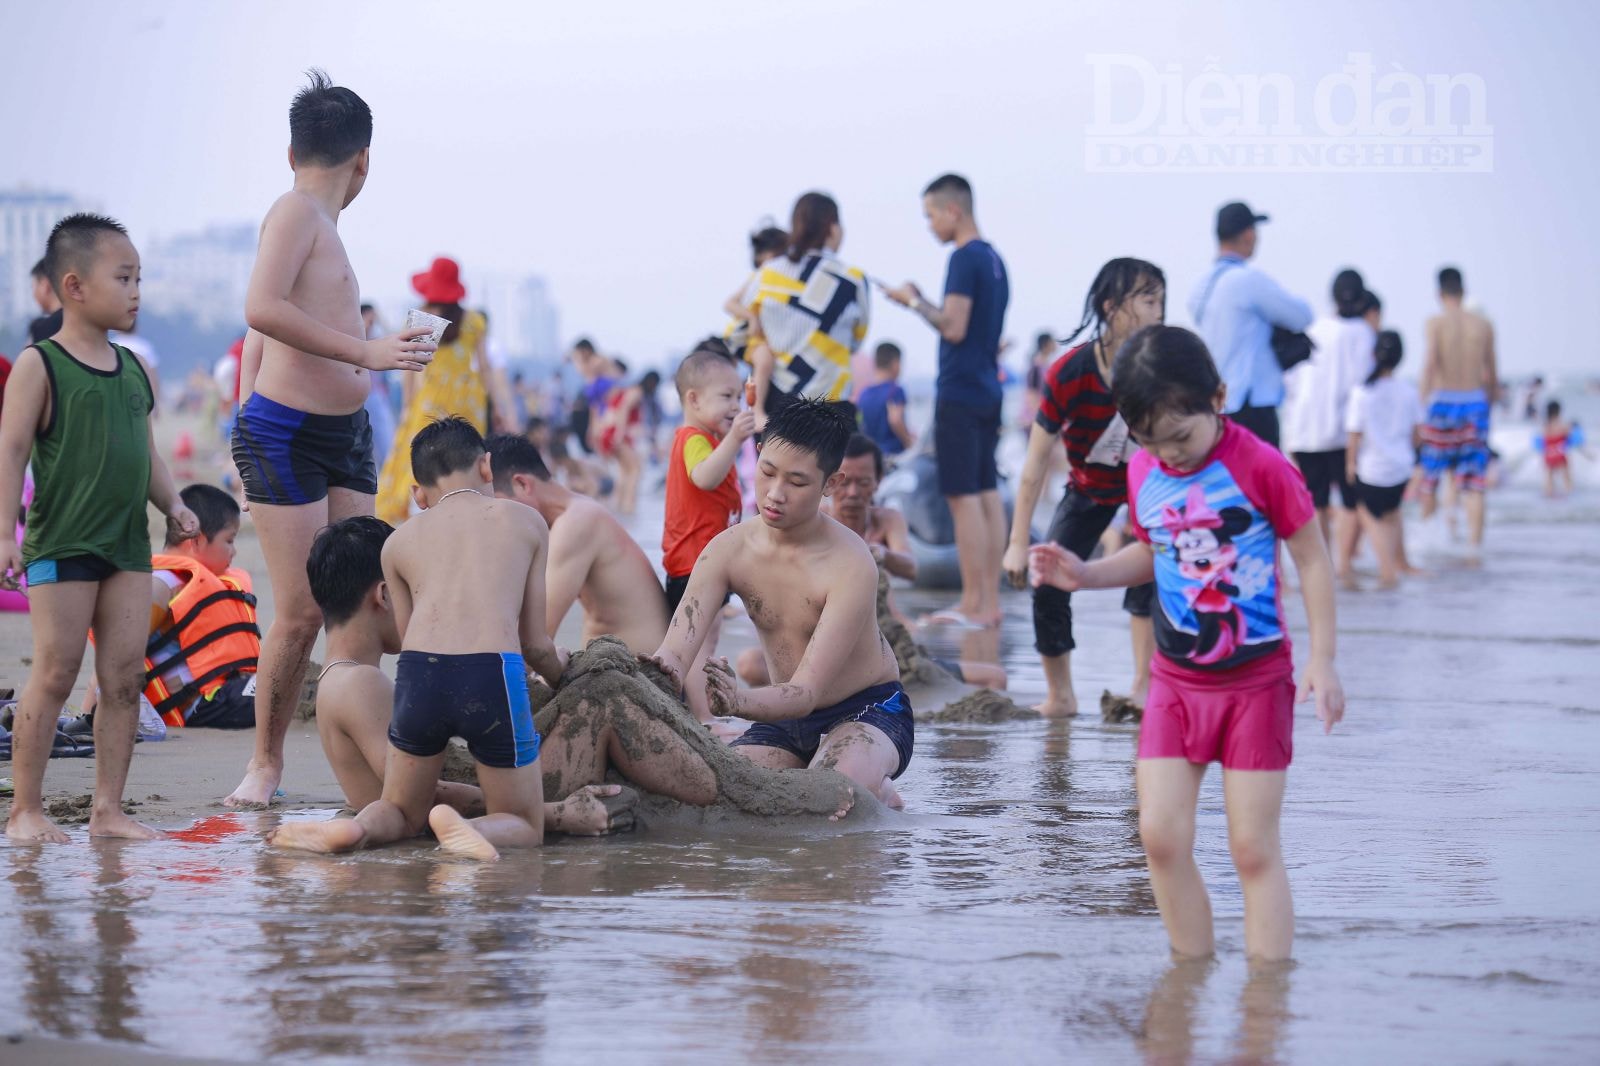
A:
(1236, 324)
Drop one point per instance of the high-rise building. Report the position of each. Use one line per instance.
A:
(204, 274)
(522, 318)
(26, 218)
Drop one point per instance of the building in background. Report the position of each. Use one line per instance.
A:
(523, 320)
(201, 275)
(26, 218)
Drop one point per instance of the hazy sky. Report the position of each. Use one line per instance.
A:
(624, 150)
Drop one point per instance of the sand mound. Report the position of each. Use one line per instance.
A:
(605, 682)
(983, 706)
(916, 668)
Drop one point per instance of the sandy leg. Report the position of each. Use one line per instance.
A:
(340, 834)
(457, 836)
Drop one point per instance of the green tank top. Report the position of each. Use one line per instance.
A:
(91, 463)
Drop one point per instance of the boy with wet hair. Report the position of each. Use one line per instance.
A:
(466, 577)
(79, 406)
(355, 699)
(303, 439)
(811, 588)
(593, 559)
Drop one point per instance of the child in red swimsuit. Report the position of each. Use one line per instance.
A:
(1209, 503)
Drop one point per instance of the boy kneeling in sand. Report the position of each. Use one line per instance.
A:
(355, 699)
(467, 581)
(811, 589)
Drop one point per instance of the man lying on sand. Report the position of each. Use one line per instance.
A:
(593, 560)
(810, 586)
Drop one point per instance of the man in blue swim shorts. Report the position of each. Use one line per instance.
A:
(811, 588)
(1460, 379)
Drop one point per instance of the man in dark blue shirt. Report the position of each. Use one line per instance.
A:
(966, 419)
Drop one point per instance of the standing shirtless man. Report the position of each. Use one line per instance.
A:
(303, 444)
(811, 588)
(593, 560)
(1459, 381)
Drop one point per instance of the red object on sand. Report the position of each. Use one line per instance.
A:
(184, 447)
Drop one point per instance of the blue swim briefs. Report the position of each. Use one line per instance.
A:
(481, 698)
(884, 707)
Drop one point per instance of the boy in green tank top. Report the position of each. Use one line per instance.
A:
(80, 406)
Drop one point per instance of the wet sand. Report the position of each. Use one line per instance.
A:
(1442, 846)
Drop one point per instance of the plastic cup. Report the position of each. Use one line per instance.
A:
(422, 320)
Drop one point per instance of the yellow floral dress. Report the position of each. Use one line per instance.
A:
(450, 386)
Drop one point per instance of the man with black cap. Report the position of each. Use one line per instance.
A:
(1235, 308)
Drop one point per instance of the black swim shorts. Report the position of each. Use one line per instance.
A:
(290, 457)
(964, 443)
(481, 698)
(1322, 471)
(884, 707)
(1380, 500)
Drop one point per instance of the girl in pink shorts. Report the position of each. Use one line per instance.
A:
(1210, 503)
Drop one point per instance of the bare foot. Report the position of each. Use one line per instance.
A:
(891, 796)
(1060, 707)
(339, 834)
(260, 784)
(1348, 582)
(596, 810)
(846, 802)
(32, 827)
(457, 836)
(113, 823)
(1387, 584)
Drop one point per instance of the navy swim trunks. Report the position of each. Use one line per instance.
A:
(884, 707)
(481, 698)
(290, 457)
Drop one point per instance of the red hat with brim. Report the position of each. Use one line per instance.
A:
(440, 283)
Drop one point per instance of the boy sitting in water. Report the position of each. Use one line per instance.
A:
(811, 588)
(467, 580)
(355, 699)
(200, 657)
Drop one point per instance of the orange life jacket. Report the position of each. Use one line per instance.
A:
(214, 623)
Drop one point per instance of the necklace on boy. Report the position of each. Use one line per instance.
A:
(454, 492)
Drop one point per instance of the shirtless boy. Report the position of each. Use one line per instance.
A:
(811, 588)
(303, 442)
(593, 560)
(466, 577)
(1459, 381)
(355, 699)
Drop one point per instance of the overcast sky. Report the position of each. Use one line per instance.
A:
(624, 150)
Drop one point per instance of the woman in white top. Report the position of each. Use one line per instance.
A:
(810, 314)
(1316, 393)
(1382, 425)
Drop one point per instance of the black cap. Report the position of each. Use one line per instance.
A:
(1233, 219)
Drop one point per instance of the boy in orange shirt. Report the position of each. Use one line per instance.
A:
(703, 496)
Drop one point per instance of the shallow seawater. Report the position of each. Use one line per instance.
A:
(1444, 845)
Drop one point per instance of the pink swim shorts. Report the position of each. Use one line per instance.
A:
(1248, 728)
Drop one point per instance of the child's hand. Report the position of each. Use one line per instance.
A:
(744, 426)
(400, 351)
(722, 688)
(1322, 680)
(10, 564)
(672, 674)
(1014, 564)
(182, 525)
(1051, 564)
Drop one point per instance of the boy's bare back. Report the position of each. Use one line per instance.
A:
(461, 571)
(786, 589)
(298, 230)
